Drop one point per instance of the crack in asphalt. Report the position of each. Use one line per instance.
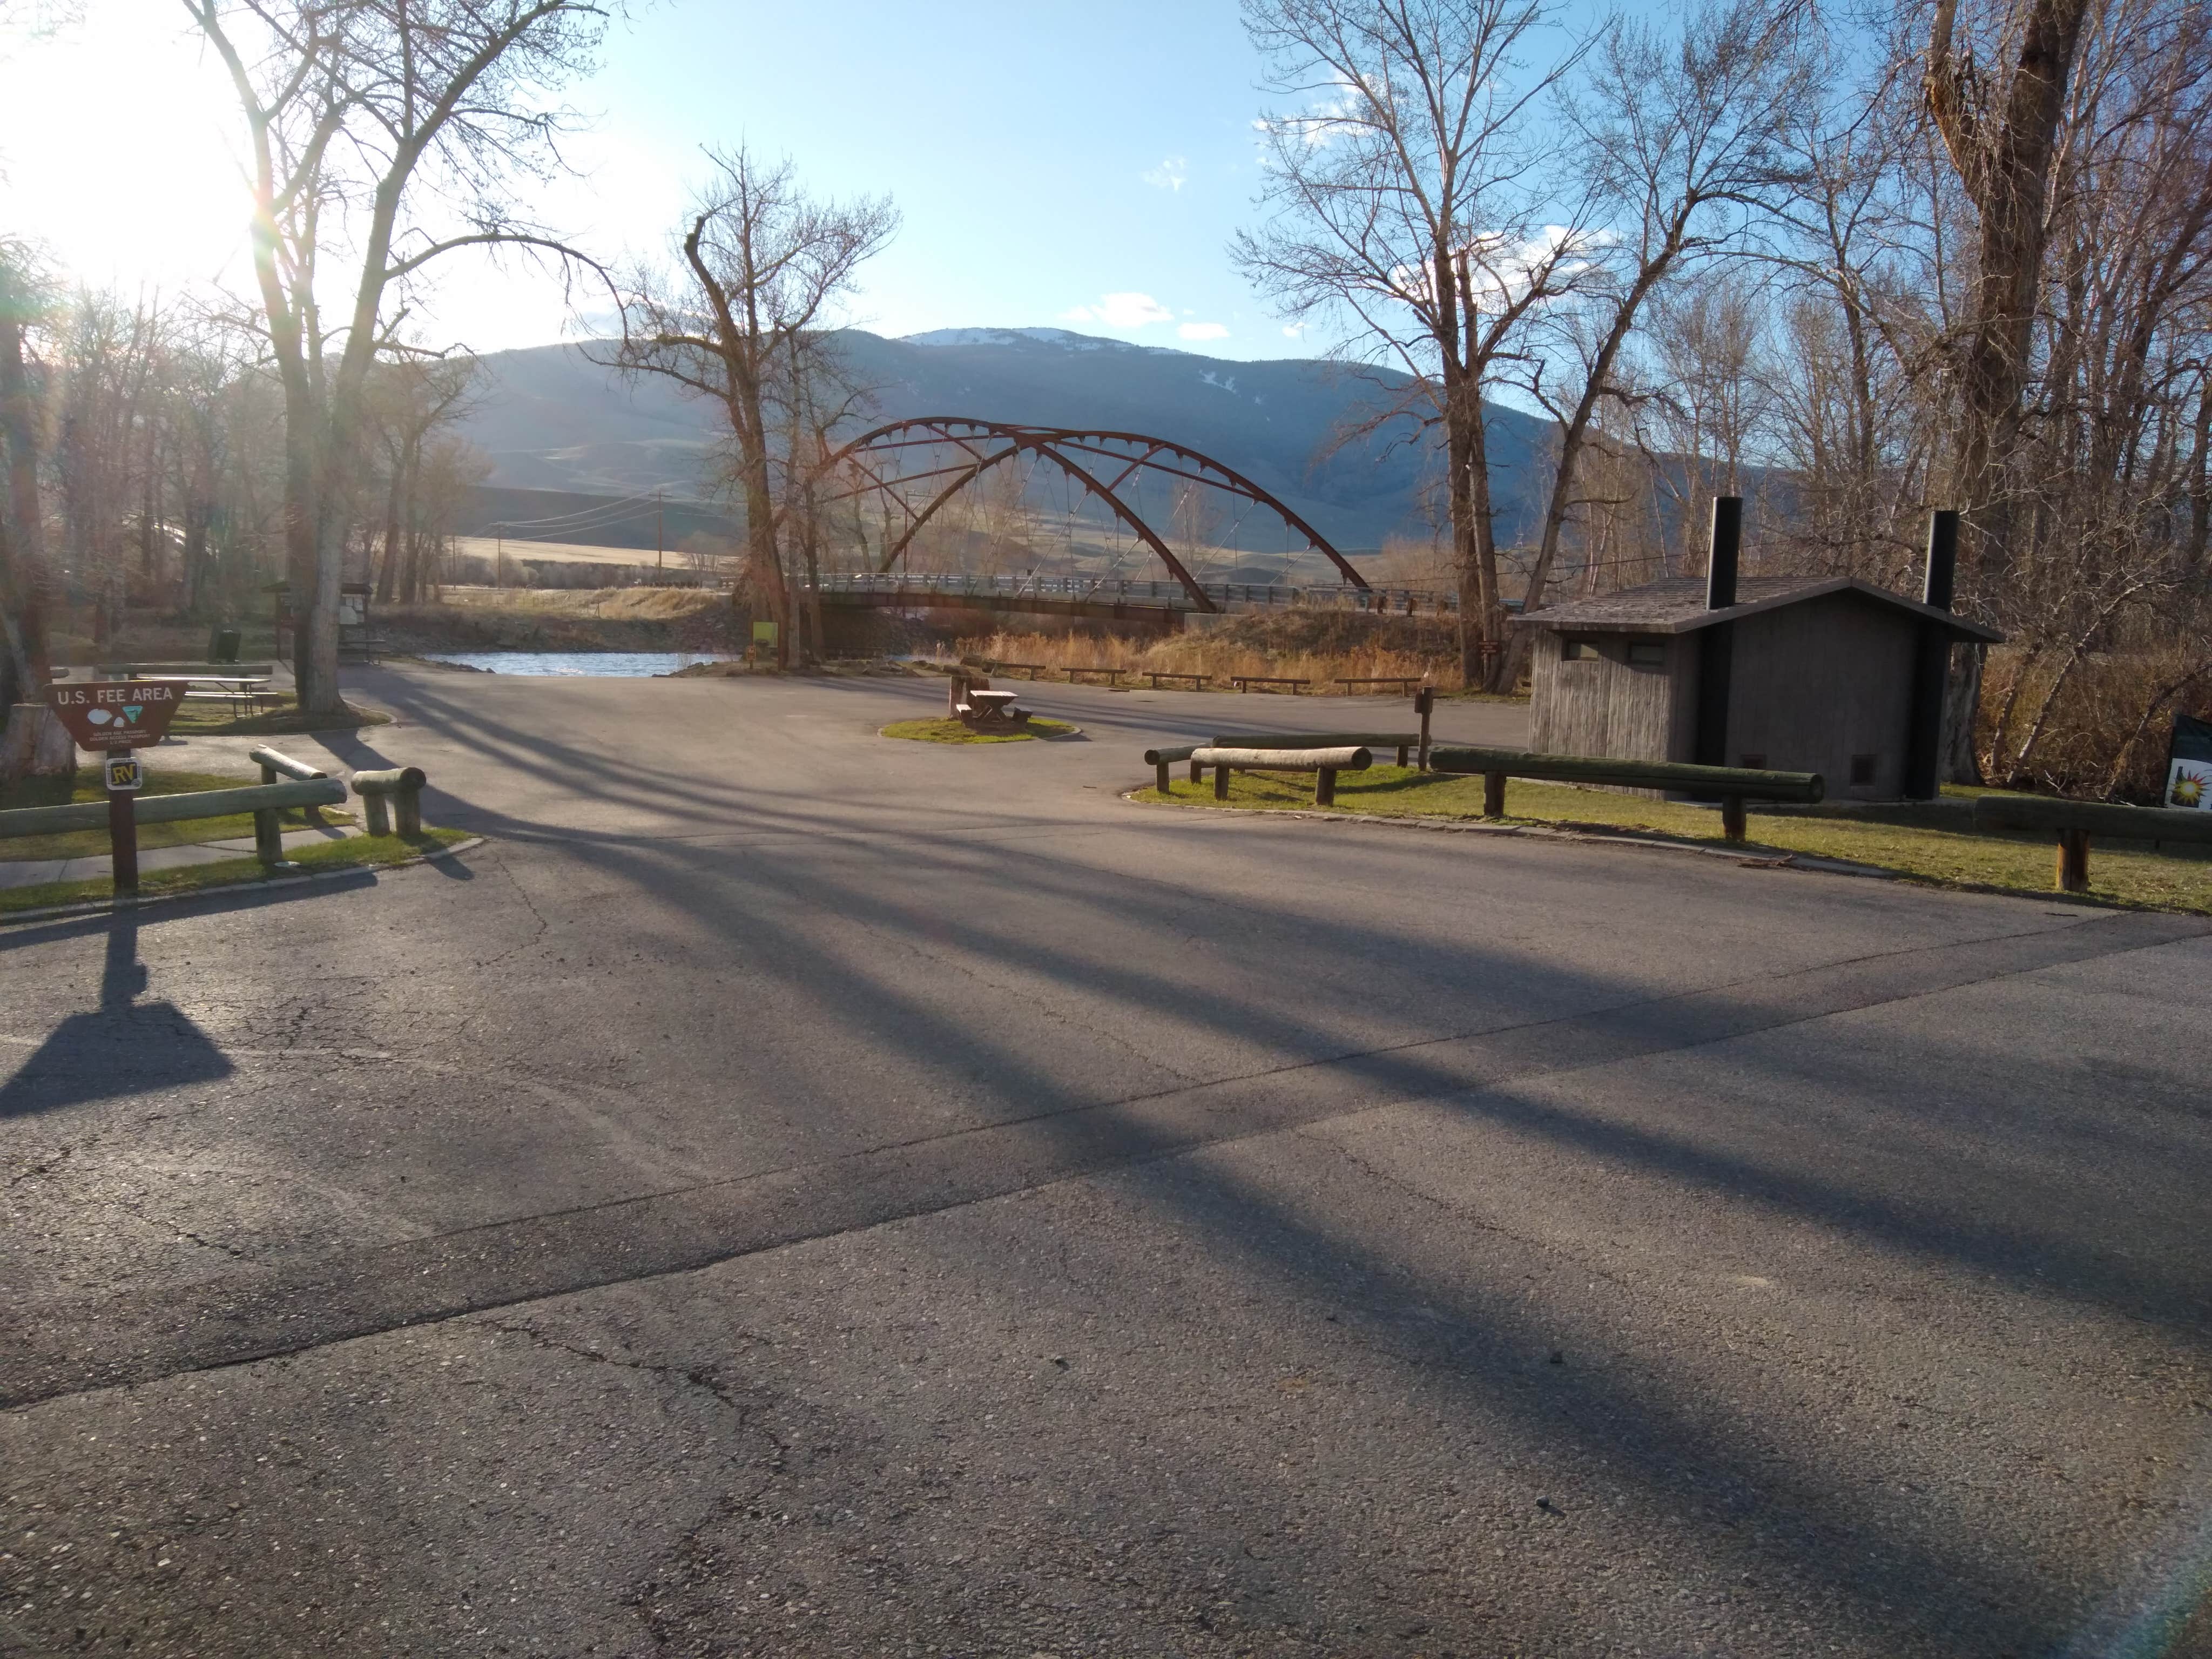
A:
(65, 1349)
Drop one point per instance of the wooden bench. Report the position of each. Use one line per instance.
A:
(1197, 681)
(1032, 669)
(1246, 682)
(1113, 675)
(1406, 684)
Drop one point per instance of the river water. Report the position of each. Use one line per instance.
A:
(618, 665)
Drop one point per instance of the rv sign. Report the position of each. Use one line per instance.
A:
(116, 713)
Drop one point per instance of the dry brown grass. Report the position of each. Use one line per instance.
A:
(617, 603)
(2106, 732)
(1322, 647)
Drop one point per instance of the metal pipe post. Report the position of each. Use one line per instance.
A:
(123, 839)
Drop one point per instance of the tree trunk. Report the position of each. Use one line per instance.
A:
(22, 559)
(34, 744)
(388, 571)
(2006, 174)
(1573, 434)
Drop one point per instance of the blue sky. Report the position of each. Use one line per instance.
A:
(1045, 156)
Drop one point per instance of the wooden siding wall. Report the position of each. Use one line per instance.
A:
(1817, 682)
(1608, 707)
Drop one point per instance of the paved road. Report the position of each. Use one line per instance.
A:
(792, 1193)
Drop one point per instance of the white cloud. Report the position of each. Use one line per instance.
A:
(1328, 117)
(1121, 311)
(1204, 331)
(1170, 175)
(1291, 331)
(1501, 270)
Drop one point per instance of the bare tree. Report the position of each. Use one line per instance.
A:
(1414, 207)
(389, 128)
(412, 397)
(1687, 135)
(762, 266)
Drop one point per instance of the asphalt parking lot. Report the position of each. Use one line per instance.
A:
(790, 1192)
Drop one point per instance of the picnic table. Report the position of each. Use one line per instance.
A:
(244, 690)
(246, 693)
(1246, 682)
(982, 708)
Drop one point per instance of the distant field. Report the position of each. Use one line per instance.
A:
(487, 547)
(622, 604)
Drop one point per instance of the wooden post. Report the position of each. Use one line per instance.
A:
(2073, 861)
(1402, 752)
(1160, 777)
(1494, 794)
(407, 812)
(377, 813)
(1197, 772)
(1732, 826)
(1221, 783)
(1325, 786)
(123, 839)
(268, 833)
(1425, 703)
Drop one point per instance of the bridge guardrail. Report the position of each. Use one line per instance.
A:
(1403, 600)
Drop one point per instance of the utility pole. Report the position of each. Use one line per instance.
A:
(660, 546)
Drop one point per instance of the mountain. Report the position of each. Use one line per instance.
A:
(553, 420)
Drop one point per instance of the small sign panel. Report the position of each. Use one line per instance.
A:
(116, 713)
(125, 771)
(763, 633)
(2188, 764)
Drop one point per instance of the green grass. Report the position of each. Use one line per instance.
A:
(88, 787)
(355, 851)
(203, 717)
(951, 731)
(1930, 843)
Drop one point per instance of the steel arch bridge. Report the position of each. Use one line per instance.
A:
(1100, 463)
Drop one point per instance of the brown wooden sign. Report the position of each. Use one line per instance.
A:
(116, 713)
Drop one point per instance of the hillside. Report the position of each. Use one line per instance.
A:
(553, 420)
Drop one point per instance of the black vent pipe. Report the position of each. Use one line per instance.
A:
(1727, 543)
(1942, 560)
(1716, 640)
(1931, 664)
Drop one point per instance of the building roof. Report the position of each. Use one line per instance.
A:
(1676, 605)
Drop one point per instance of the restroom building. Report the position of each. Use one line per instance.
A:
(1825, 674)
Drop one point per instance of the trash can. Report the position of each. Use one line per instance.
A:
(223, 645)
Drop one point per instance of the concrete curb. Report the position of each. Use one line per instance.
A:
(103, 907)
